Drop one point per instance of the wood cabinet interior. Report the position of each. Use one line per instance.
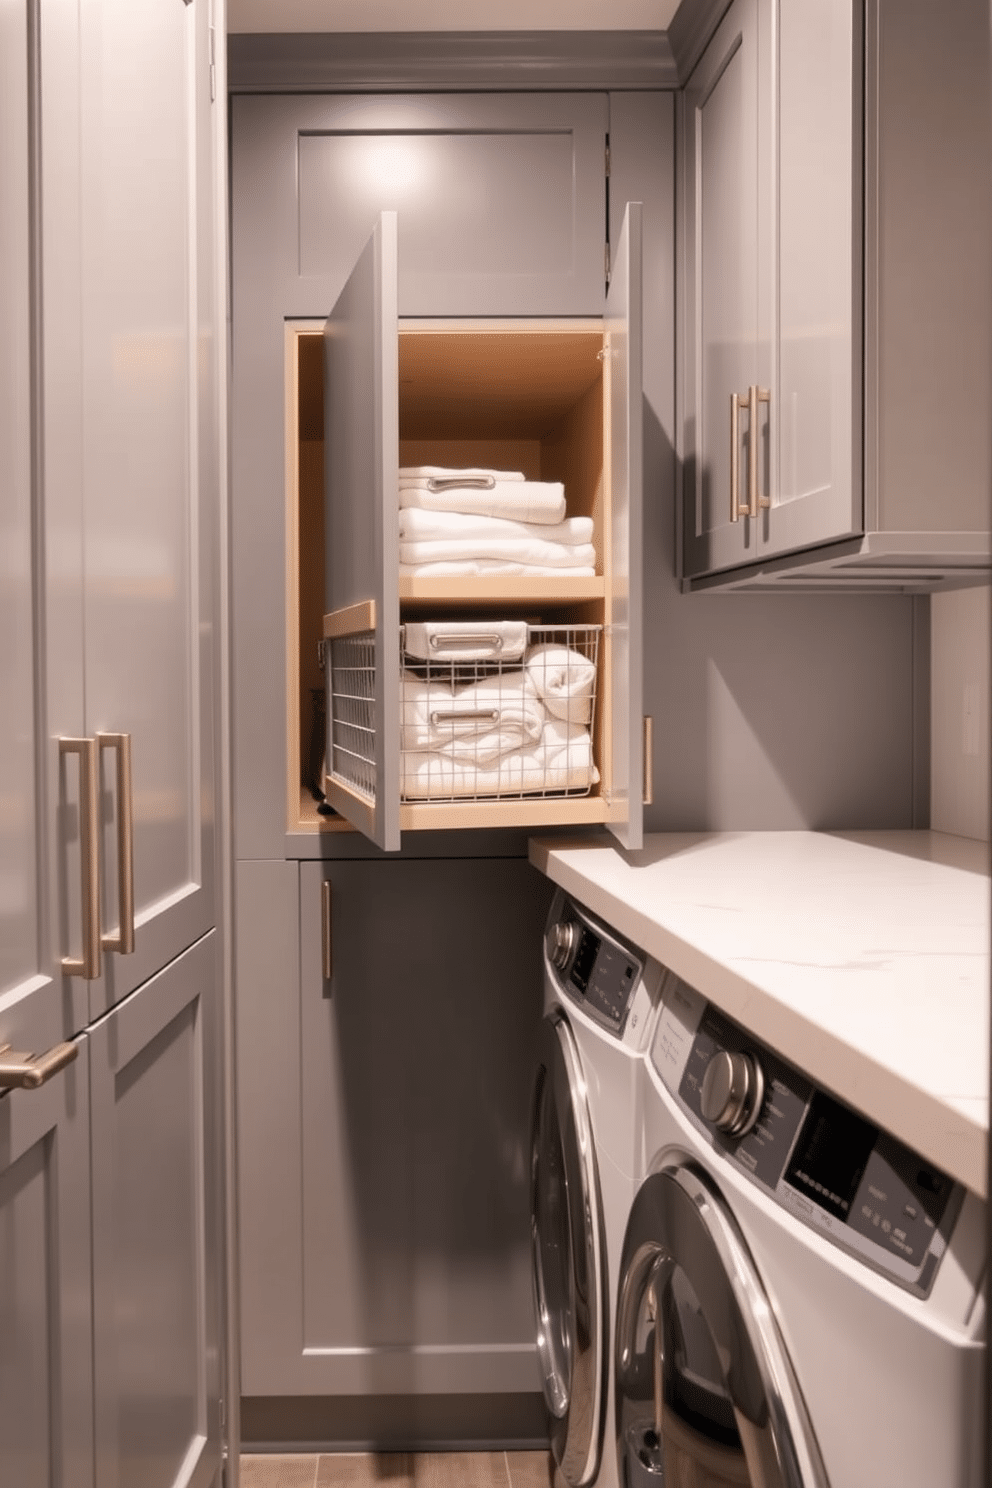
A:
(527, 396)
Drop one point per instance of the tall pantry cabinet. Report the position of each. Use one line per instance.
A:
(111, 326)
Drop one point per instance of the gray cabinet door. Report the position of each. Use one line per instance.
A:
(361, 480)
(625, 601)
(384, 1126)
(157, 1240)
(725, 177)
(46, 1400)
(149, 460)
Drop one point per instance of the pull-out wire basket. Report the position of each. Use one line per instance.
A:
(488, 710)
(496, 710)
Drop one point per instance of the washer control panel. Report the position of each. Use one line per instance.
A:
(591, 965)
(826, 1164)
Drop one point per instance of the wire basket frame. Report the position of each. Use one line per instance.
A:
(497, 711)
(350, 671)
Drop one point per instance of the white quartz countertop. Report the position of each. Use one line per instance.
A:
(860, 957)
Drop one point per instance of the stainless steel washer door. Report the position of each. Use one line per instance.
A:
(704, 1388)
(569, 1258)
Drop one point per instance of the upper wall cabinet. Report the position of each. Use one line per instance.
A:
(500, 198)
(835, 309)
(470, 693)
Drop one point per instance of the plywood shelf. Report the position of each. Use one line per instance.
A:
(504, 591)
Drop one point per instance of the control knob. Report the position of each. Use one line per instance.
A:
(732, 1092)
(564, 939)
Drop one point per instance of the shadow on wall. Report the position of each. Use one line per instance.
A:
(771, 711)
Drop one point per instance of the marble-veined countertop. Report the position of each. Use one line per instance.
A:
(861, 957)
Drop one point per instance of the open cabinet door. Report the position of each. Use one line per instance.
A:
(361, 574)
(624, 599)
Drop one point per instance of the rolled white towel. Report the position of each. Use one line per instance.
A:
(564, 680)
(520, 500)
(505, 549)
(491, 568)
(476, 724)
(417, 525)
(561, 761)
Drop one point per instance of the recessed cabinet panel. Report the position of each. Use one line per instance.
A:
(147, 404)
(46, 1399)
(156, 1303)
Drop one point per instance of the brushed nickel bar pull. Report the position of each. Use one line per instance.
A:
(28, 1071)
(478, 715)
(326, 946)
(472, 639)
(737, 402)
(89, 802)
(648, 796)
(123, 941)
(756, 395)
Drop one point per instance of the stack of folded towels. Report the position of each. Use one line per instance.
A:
(473, 522)
(470, 729)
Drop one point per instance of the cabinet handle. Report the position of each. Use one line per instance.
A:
(123, 941)
(648, 796)
(89, 847)
(737, 402)
(28, 1071)
(756, 395)
(478, 715)
(326, 948)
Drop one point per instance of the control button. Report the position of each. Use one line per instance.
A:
(564, 939)
(732, 1092)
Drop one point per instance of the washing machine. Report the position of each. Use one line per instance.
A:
(801, 1298)
(601, 998)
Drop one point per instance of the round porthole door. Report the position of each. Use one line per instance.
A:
(569, 1258)
(705, 1391)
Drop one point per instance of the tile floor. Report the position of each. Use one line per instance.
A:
(401, 1470)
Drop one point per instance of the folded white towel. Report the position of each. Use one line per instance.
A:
(465, 640)
(417, 475)
(520, 500)
(506, 549)
(491, 567)
(474, 724)
(417, 525)
(561, 761)
(564, 680)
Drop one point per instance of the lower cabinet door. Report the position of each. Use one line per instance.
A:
(388, 1015)
(46, 1401)
(157, 1237)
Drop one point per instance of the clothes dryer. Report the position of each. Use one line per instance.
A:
(601, 996)
(801, 1296)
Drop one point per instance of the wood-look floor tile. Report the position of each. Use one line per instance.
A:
(365, 1470)
(533, 1470)
(461, 1470)
(278, 1471)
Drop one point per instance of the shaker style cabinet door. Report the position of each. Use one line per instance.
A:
(770, 384)
(149, 456)
(725, 176)
(157, 1242)
(361, 479)
(46, 1343)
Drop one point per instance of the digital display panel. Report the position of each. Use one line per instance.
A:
(830, 1155)
(585, 959)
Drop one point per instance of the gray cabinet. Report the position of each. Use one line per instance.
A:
(384, 1112)
(822, 308)
(111, 321)
(501, 211)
